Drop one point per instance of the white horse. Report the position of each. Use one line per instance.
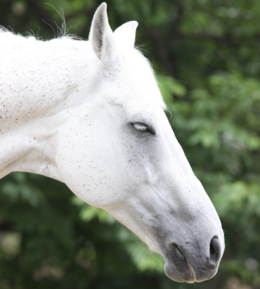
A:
(90, 114)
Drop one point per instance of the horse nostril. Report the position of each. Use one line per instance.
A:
(215, 251)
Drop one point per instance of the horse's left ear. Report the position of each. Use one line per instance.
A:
(101, 36)
(125, 34)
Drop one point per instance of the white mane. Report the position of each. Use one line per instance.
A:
(15, 42)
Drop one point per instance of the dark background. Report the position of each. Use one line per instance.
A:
(206, 55)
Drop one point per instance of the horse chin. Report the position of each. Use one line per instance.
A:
(179, 272)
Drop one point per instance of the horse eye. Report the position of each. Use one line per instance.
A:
(142, 127)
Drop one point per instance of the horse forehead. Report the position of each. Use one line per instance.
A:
(135, 87)
(134, 98)
(142, 82)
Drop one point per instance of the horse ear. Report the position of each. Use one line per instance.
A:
(101, 36)
(125, 34)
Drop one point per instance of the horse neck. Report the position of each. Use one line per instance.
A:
(39, 83)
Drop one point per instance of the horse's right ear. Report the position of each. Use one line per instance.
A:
(101, 36)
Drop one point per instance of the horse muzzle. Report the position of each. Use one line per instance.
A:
(188, 263)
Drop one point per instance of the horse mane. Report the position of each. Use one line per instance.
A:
(11, 40)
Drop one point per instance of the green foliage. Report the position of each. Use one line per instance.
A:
(169, 87)
(206, 54)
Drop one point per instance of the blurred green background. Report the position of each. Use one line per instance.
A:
(206, 55)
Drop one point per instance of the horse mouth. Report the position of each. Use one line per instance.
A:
(177, 267)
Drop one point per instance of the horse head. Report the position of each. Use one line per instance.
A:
(119, 153)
